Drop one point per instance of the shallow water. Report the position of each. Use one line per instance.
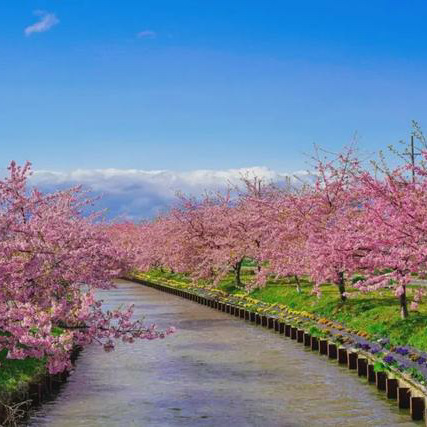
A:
(216, 370)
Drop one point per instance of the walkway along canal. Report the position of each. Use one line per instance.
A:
(217, 370)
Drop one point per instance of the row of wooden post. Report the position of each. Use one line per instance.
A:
(406, 397)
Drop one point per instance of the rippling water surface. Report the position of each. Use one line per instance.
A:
(215, 371)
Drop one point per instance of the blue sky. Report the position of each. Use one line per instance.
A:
(186, 85)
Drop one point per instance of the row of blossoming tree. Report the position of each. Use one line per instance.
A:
(348, 220)
(53, 258)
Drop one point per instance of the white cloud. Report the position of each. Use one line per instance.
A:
(147, 34)
(136, 193)
(45, 23)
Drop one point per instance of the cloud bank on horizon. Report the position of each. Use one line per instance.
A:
(136, 194)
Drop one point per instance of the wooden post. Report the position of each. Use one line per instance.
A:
(417, 408)
(307, 339)
(323, 346)
(293, 333)
(300, 335)
(381, 380)
(362, 367)
(391, 388)
(342, 356)
(315, 343)
(288, 330)
(332, 351)
(370, 375)
(352, 361)
(403, 397)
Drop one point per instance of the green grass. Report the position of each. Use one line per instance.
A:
(14, 374)
(376, 313)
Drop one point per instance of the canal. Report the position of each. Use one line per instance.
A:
(216, 370)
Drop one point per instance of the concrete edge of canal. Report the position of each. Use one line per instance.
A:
(406, 393)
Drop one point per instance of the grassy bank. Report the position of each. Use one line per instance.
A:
(15, 375)
(376, 314)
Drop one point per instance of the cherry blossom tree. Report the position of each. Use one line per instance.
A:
(395, 221)
(52, 259)
(350, 220)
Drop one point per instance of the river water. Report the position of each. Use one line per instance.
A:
(216, 370)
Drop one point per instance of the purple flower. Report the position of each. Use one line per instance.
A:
(365, 346)
(421, 361)
(389, 359)
(402, 350)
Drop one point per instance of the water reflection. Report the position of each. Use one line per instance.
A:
(216, 371)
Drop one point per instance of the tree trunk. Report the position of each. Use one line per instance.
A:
(403, 304)
(237, 270)
(298, 284)
(341, 286)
